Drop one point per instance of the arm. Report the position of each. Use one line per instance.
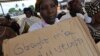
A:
(85, 17)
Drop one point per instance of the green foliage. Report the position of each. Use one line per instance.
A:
(11, 10)
(20, 9)
(32, 7)
(1, 15)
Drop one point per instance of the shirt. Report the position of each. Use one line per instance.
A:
(29, 21)
(40, 24)
(85, 17)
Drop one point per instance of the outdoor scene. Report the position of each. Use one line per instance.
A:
(49, 27)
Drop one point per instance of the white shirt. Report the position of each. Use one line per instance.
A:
(85, 17)
(66, 16)
(40, 24)
(30, 21)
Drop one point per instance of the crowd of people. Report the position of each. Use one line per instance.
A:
(9, 28)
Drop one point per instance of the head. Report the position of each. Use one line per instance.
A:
(48, 10)
(75, 5)
(28, 12)
(8, 17)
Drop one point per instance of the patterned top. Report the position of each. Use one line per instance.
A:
(92, 7)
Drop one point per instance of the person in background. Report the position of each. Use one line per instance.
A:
(29, 20)
(75, 9)
(6, 32)
(13, 24)
(48, 12)
(94, 11)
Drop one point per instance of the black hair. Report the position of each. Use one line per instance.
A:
(8, 17)
(70, 4)
(37, 5)
(28, 9)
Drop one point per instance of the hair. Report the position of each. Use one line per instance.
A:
(37, 5)
(73, 1)
(28, 9)
(8, 17)
(70, 4)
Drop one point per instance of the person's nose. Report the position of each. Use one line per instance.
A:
(49, 9)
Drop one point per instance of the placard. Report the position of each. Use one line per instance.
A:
(67, 38)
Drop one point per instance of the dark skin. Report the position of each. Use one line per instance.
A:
(48, 11)
(75, 7)
(28, 14)
(96, 18)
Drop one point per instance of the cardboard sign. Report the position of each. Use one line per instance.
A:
(98, 45)
(67, 38)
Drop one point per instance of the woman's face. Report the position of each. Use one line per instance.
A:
(48, 10)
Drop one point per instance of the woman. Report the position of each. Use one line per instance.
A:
(28, 20)
(48, 12)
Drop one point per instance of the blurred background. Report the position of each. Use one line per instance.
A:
(15, 7)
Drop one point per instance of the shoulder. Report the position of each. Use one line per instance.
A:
(36, 19)
(8, 32)
(80, 15)
(66, 16)
(86, 18)
(35, 26)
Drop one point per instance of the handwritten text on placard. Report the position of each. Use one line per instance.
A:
(22, 48)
